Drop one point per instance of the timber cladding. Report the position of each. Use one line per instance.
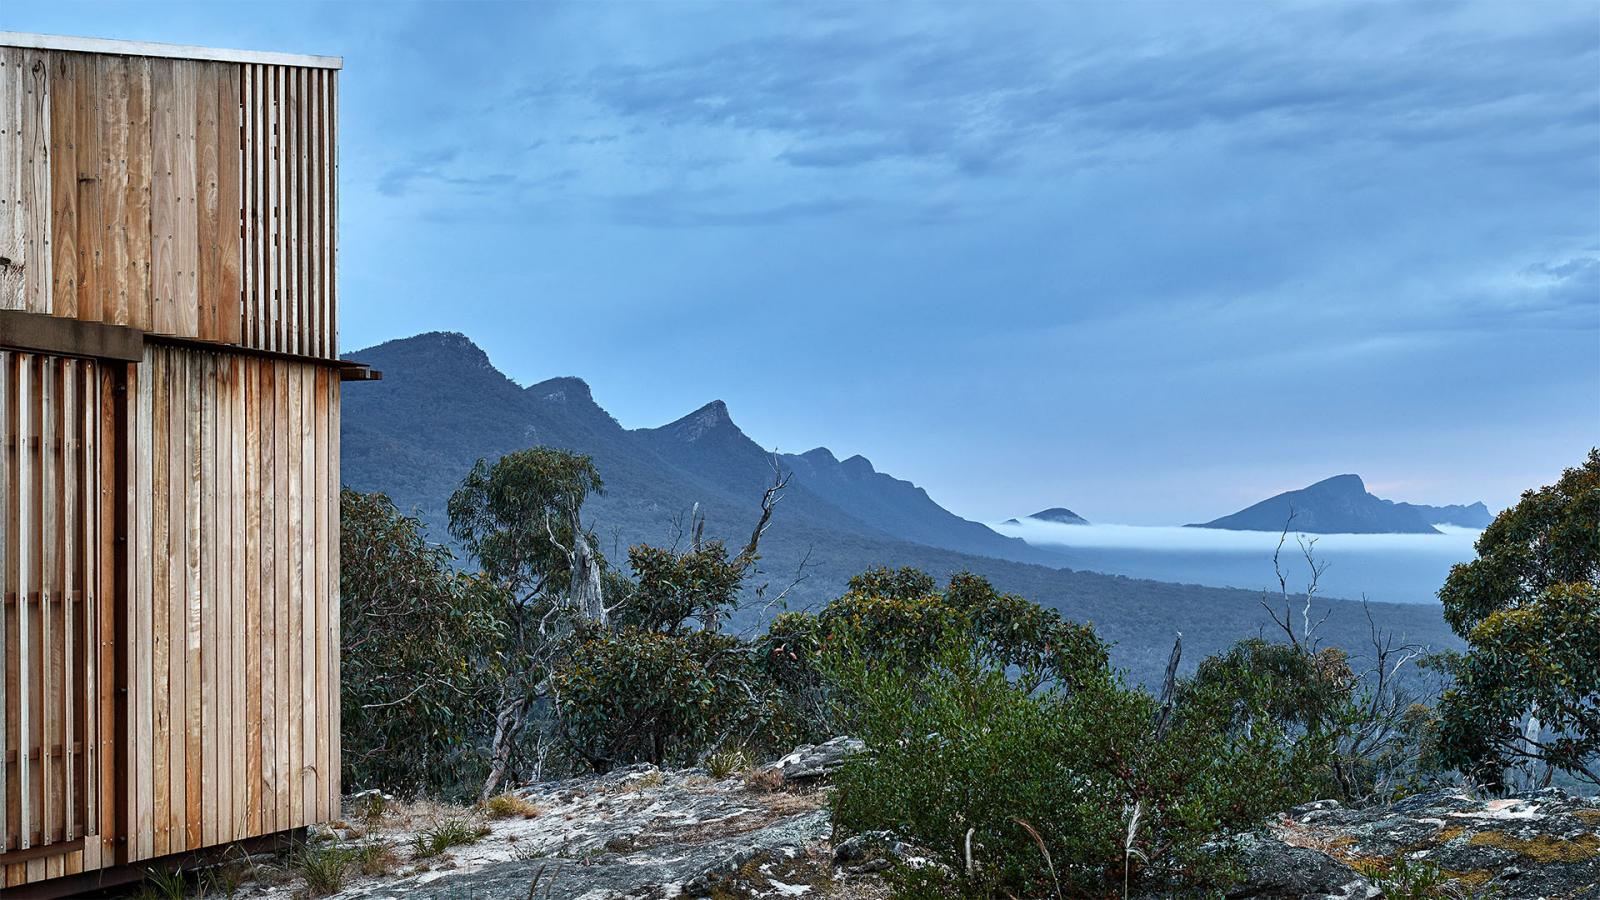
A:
(169, 432)
(233, 573)
(181, 197)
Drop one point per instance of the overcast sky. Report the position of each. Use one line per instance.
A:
(1151, 262)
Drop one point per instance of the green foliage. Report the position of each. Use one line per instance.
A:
(511, 515)
(902, 616)
(633, 694)
(671, 588)
(1527, 607)
(728, 761)
(1357, 737)
(163, 886)
(441, 836)
(1061, 790)
(420, 656)
(788, 654)
(628, 695)
(324, 868)
(1405, 879)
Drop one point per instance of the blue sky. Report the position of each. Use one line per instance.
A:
(1152, 262)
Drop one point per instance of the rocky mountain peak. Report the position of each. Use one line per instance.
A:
(696, 425)
(564, 389)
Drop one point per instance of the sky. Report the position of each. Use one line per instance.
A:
(1152, 262)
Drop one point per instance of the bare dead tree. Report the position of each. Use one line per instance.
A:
(1379, 703)
(1169, 687)
(584, 586)
(1305, 639)
(769, 501)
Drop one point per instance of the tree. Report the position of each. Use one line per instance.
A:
(659, 681)
(520, 518)
(1527, 690)
(421, 654)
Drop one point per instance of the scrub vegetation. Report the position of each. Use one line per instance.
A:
(999, 736)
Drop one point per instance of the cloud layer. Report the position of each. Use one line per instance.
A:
(1147, 259)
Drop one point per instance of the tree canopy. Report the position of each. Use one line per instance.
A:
(1528, 607)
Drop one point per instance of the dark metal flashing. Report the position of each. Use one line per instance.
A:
(32, 332)
(354, 371)
(41, 333)
(345, 367)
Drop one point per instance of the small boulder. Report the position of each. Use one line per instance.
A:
(809, 762)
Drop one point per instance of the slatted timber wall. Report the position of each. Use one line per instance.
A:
(189, 198)
(50, 529)
(233, 589)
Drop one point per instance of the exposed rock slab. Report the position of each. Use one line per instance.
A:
(1530, 845)
(635, 833)
(810, 762)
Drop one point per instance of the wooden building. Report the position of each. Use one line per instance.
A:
(169, 412)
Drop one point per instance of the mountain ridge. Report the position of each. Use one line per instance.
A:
(1343, 505)
(442, 406)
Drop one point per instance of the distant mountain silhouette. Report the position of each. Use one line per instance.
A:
(1474, 515)
(1342, 505)
(442, 405)
(1058, 514)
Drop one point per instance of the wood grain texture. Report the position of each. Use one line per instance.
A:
(44, 688)
(194, 199)
(191, 198)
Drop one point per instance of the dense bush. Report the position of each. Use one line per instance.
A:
(1049, 791)
(1527, 691)
(421, 655)
(902, 616)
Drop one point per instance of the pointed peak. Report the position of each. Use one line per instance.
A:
(1341, 483)
(709, 418)
(562, 389)
(858, 464)
(820, 455)
(713, 413)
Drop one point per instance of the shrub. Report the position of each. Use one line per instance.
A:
(902, 616)
(419, 667)
(1055, 790)
(1527, 607)
(631, 695)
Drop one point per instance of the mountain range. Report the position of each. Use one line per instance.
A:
(1342, 505)
(442, 405)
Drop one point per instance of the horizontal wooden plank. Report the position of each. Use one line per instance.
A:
(43, 333)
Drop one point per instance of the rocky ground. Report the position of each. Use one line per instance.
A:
(1544, 844)
(645, 833)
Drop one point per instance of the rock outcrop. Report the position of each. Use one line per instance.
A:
(1530, 845)
(810, 762)
(640, 832)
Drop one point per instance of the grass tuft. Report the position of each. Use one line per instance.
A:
(323, 868)
(728, 761)
(163, 886)
(764, 781)
(440, 837)
(375, 859)
(509, 806)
